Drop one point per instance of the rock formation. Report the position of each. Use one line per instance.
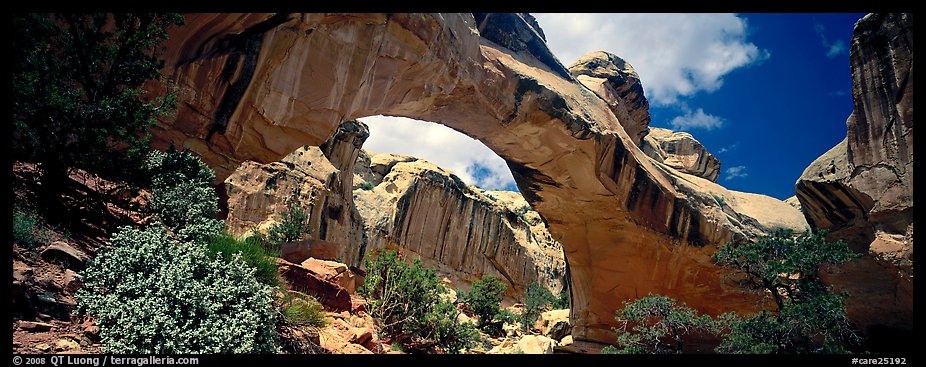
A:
(412, 205)
(681, 151)
(430, 213)
(258, 86)
(617, 83)
(861, 190)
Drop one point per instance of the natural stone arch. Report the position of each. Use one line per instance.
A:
(256, 86)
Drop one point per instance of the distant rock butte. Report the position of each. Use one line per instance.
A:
(861, 190)
(255, 87)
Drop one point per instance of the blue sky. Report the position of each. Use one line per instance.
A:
(766, 93)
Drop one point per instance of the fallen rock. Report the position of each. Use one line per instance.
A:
(333, 271)
(33, 326)
(62, 251)
(42, 347)
(331, 295)
(22, 273)
(535, 344)
(66, 344)
(72, 280)
(351, 348)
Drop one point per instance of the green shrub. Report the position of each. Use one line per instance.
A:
(484, 299)
(24, 229)
(252, 252)
(720, 200)
(656, 324)
(562, 302)
(809, 319)
(303, 310)
(152, 294)
(536, 300)
(183, 197)
(367, 186)
(406, 301)
(293, 226)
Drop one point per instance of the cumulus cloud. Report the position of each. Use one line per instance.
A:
(735, 172)
(832, 49)
(696, 120)
(466, 157)
(676, 55)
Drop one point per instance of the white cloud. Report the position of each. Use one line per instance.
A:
(697, 120)
(729, 148)
(832, 49)
(676, 55)
(735, 172)
(468, 158)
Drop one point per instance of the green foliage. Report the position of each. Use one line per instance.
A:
(183, 197)
(252, 253)
(293, 226)
(367, 186)
(720, 200)
(78, 97)
(152, 294)
(26, 228)
(562, 302)
(406, 301)
(656, 324)
(484, 299)
(809, 318)
(784, 265)
(303, 310)
(536, 300)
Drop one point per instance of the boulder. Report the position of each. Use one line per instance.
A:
(333, 271)
(62, 251)
(72, 281)
(535, 344)
(330, 294)
(33, 326)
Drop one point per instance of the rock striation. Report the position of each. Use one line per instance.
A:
(429, 213)
(617, 83)
(681, 151)
(861, 190)
(255, 87)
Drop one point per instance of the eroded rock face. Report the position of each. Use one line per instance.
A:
(617, 83)
(681, 151)
(429, 213)
(258, 86)
(862, 189)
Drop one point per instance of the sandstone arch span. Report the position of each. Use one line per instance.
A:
(257, 86)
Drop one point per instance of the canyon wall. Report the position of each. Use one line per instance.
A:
(464, 231)
(861, 190)
(255, 87)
